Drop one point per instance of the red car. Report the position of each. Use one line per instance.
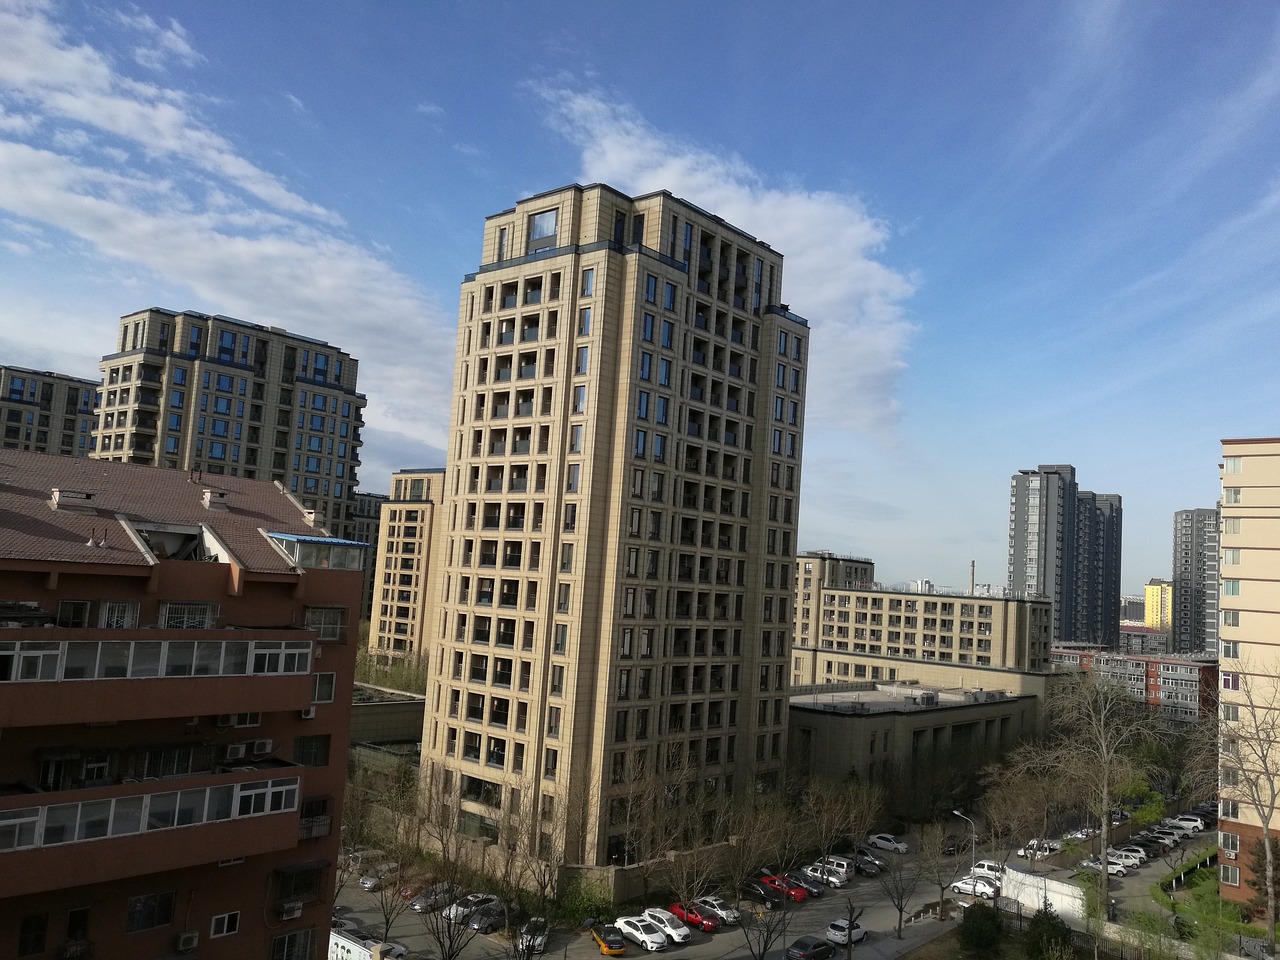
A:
(694, 917)
(792, 891)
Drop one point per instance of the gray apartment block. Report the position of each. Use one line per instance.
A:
(1195, 580)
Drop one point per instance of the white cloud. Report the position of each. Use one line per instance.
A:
(297, 104)
(16, 123)
(165, 44)
(853, 302)
(52, 76)
(430, 109)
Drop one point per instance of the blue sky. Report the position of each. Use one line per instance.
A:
(1022, 233)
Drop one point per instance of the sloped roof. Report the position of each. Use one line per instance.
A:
(31, 529)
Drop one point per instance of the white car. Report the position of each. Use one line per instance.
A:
(669, 924)
(1177, 828)
(977, 887)
(1190, 820)
(1114, 867)
(721, 908)
(397, 951)
(380, 876)
(1126, 857)
(361, 858)
(461, 911)
(642, 933)
(533, 936)
(843, 930)
(832, 878)
(886, 841)
(1040, 848)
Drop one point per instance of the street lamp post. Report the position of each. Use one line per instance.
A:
(973, 840)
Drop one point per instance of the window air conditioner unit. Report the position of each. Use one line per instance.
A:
(188, 941)
(309, 713)
(234, 751)
(261, 747)
(1229, 854)
(290, 911)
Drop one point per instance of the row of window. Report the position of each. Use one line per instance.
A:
(144, 912)
(43, 660)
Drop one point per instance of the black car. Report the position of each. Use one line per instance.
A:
(812, 887)
(950, 845)
(865, 866)
(761, 893)
(810, 948)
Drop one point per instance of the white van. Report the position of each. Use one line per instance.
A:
(989, 869)
(841, 864)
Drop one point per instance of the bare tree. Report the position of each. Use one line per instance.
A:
(1011, 810)
(899, 881)
(757, 829)
(438, 811)
(761, 929)
(398, 803)
(839, 810)
(937, 865)
(1250, 777)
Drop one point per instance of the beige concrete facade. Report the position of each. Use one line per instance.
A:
(46, 412)
(1158, 607)
(408, 538)
(621, 505)
(1249, 643)
(217, 395)
(849, 628)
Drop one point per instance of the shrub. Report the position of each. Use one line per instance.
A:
(1047, 935)
(980, 928)
(582, 899)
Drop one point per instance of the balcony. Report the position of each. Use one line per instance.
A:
(103, 834)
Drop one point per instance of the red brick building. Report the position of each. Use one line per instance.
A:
(175, 680)
(1184, 686)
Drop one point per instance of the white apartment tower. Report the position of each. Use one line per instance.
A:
(621, 499)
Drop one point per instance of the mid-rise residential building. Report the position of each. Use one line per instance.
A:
(622, 492)
(870, 631)
(1139, 638)
(47, 412)
(366, 520)
(1158, 604)
(1064, 543)
(1249, 656)
(1185, 688)
(406, 563)
(175, 699)
(1133, 608)
(1195, 580)
(221, 397)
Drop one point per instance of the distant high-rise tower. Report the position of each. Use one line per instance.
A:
(1195, 580)
(46, 412)
(622, 491)
(1158, 604)
(1064, 543)
(220, 396)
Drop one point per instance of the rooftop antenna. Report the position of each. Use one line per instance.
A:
(92, 542)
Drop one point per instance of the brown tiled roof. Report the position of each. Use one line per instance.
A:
(31, 529)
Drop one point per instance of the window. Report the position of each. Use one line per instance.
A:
(1231, 588)
(588, 281)
(581, 361)
(1229, 841)
(1230, 524)
(73, 613)
(1231, 495)
(1231, 556)
(1230, 464)
(322, 687)
(148, 911)
(187, 616)
(224, 924)
(1229, 874)
(669, 296)
(1230, 649)
(542, 230)
(1229, 809)
(293, 946)
(651, 289)
(584, 321)
(1230, 681)
(311, 751)
(1231, 618)
(118, 614)
(329, 623)
(31, 934)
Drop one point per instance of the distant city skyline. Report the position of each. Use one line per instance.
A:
(1018, 237)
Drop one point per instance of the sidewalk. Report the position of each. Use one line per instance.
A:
(886, 946)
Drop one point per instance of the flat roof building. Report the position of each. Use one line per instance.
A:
(406, 563)
(47, 412)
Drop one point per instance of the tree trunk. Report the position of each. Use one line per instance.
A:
(1271, 888)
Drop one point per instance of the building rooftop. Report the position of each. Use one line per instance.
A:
(69, 510)
(872, 697)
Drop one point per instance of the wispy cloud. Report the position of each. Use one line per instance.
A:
(853, 302)
(430, 109)
(164, 45)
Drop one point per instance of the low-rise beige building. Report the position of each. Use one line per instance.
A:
(849, 628)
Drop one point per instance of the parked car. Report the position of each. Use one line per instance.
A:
(950, 845)
(697, 917)
(642, 933)
(435, 897)
(874, 856)
(762, 893)
(380, 875)
(1191, 820)
(1181, 830)
(839, 863)
(865, 866)
(820, 874)
(397, 951)
(488, 918)
(671, 925)
(609, 939)
(842, 930)
(792, 891)
(412, 888)
(1039, 848)
(360, 858)
(461, 911)
(1114, 867)
(990, 869)
(886, 841)
(810, 948)
(533, 936)
(811, 886)
(1164, 838)
(719, 907)
(976, 886)
(1130, 858)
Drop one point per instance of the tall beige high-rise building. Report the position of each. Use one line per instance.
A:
(46, 412)
(1249, 655)
(621, 503)
(408, 538)
(217, 395)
